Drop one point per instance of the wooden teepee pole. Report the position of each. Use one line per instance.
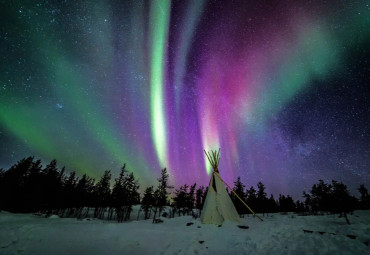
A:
(239, 198)
(209, 159)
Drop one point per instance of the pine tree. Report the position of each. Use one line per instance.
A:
(300, 209)
(119, 195)
(15, 186)
(191, 199)
(2, 190)
(286, 204)
(251, 197)
(131, 187)
(272, 205)
(330, 198)
(180, 199)
(344, 202)
(69, 194)
(199, 199)
(365, 198)
(148, 201)
(84, 194)
(160, 194)
(261, 198)
(52, 186)
(320, 197)
(239, 190)
(34, 188)
(102, 193)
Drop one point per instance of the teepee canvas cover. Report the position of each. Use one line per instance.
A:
(218, 206)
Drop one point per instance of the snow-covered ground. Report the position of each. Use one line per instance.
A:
(277, 234)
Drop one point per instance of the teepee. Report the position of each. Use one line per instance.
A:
(218, 206)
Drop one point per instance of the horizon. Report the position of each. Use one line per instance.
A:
(354, 192)
(282, 88)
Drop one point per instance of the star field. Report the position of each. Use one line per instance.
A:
(283, 88)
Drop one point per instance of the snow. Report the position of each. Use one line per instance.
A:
(277, 234)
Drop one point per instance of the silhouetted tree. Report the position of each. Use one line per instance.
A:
(319, 198)
(286, 204)
(272, 206)
(184, 201)
(148, 201)
(34, 188)
(199, 199)
(2, 191)
(69, 193)
(28, 187)
(261, 202)
(251, 197)
(300, 207)
(190, 199)
(239, 190)
(365, 198)
(84, 195)
(180, 199)
(330, 198)
(52, 185)
(119, 195)
(14, 184)
(102, 194)
(161, 193)
(131, 187)
(342, 201)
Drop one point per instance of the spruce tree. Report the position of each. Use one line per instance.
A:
(160, 194)
(131, 187)
(239, 190)
(119, 195)
(286, 204)
(148, 201)
(343, 201)
(180, 199)
(84, 194)
(15, 185)
(199, 199)
(272, 205)
(69, 191)
(34, 188)
(191, 199)
(52, 186)
(102, 194)
(261, 198)
(251, 197)
(365, 198)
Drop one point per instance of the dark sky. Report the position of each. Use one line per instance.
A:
(283, 88)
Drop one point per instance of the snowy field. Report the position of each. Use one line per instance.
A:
(277, 234)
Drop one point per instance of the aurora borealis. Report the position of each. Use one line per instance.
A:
(283, 88)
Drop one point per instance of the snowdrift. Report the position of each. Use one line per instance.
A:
(277, 234)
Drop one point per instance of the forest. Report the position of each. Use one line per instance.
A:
(28, 187)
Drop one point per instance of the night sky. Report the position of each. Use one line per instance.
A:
(282, 87)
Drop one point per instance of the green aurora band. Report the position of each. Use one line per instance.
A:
(159, 26)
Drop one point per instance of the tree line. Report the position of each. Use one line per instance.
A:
(28, 187)
(321, 198)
